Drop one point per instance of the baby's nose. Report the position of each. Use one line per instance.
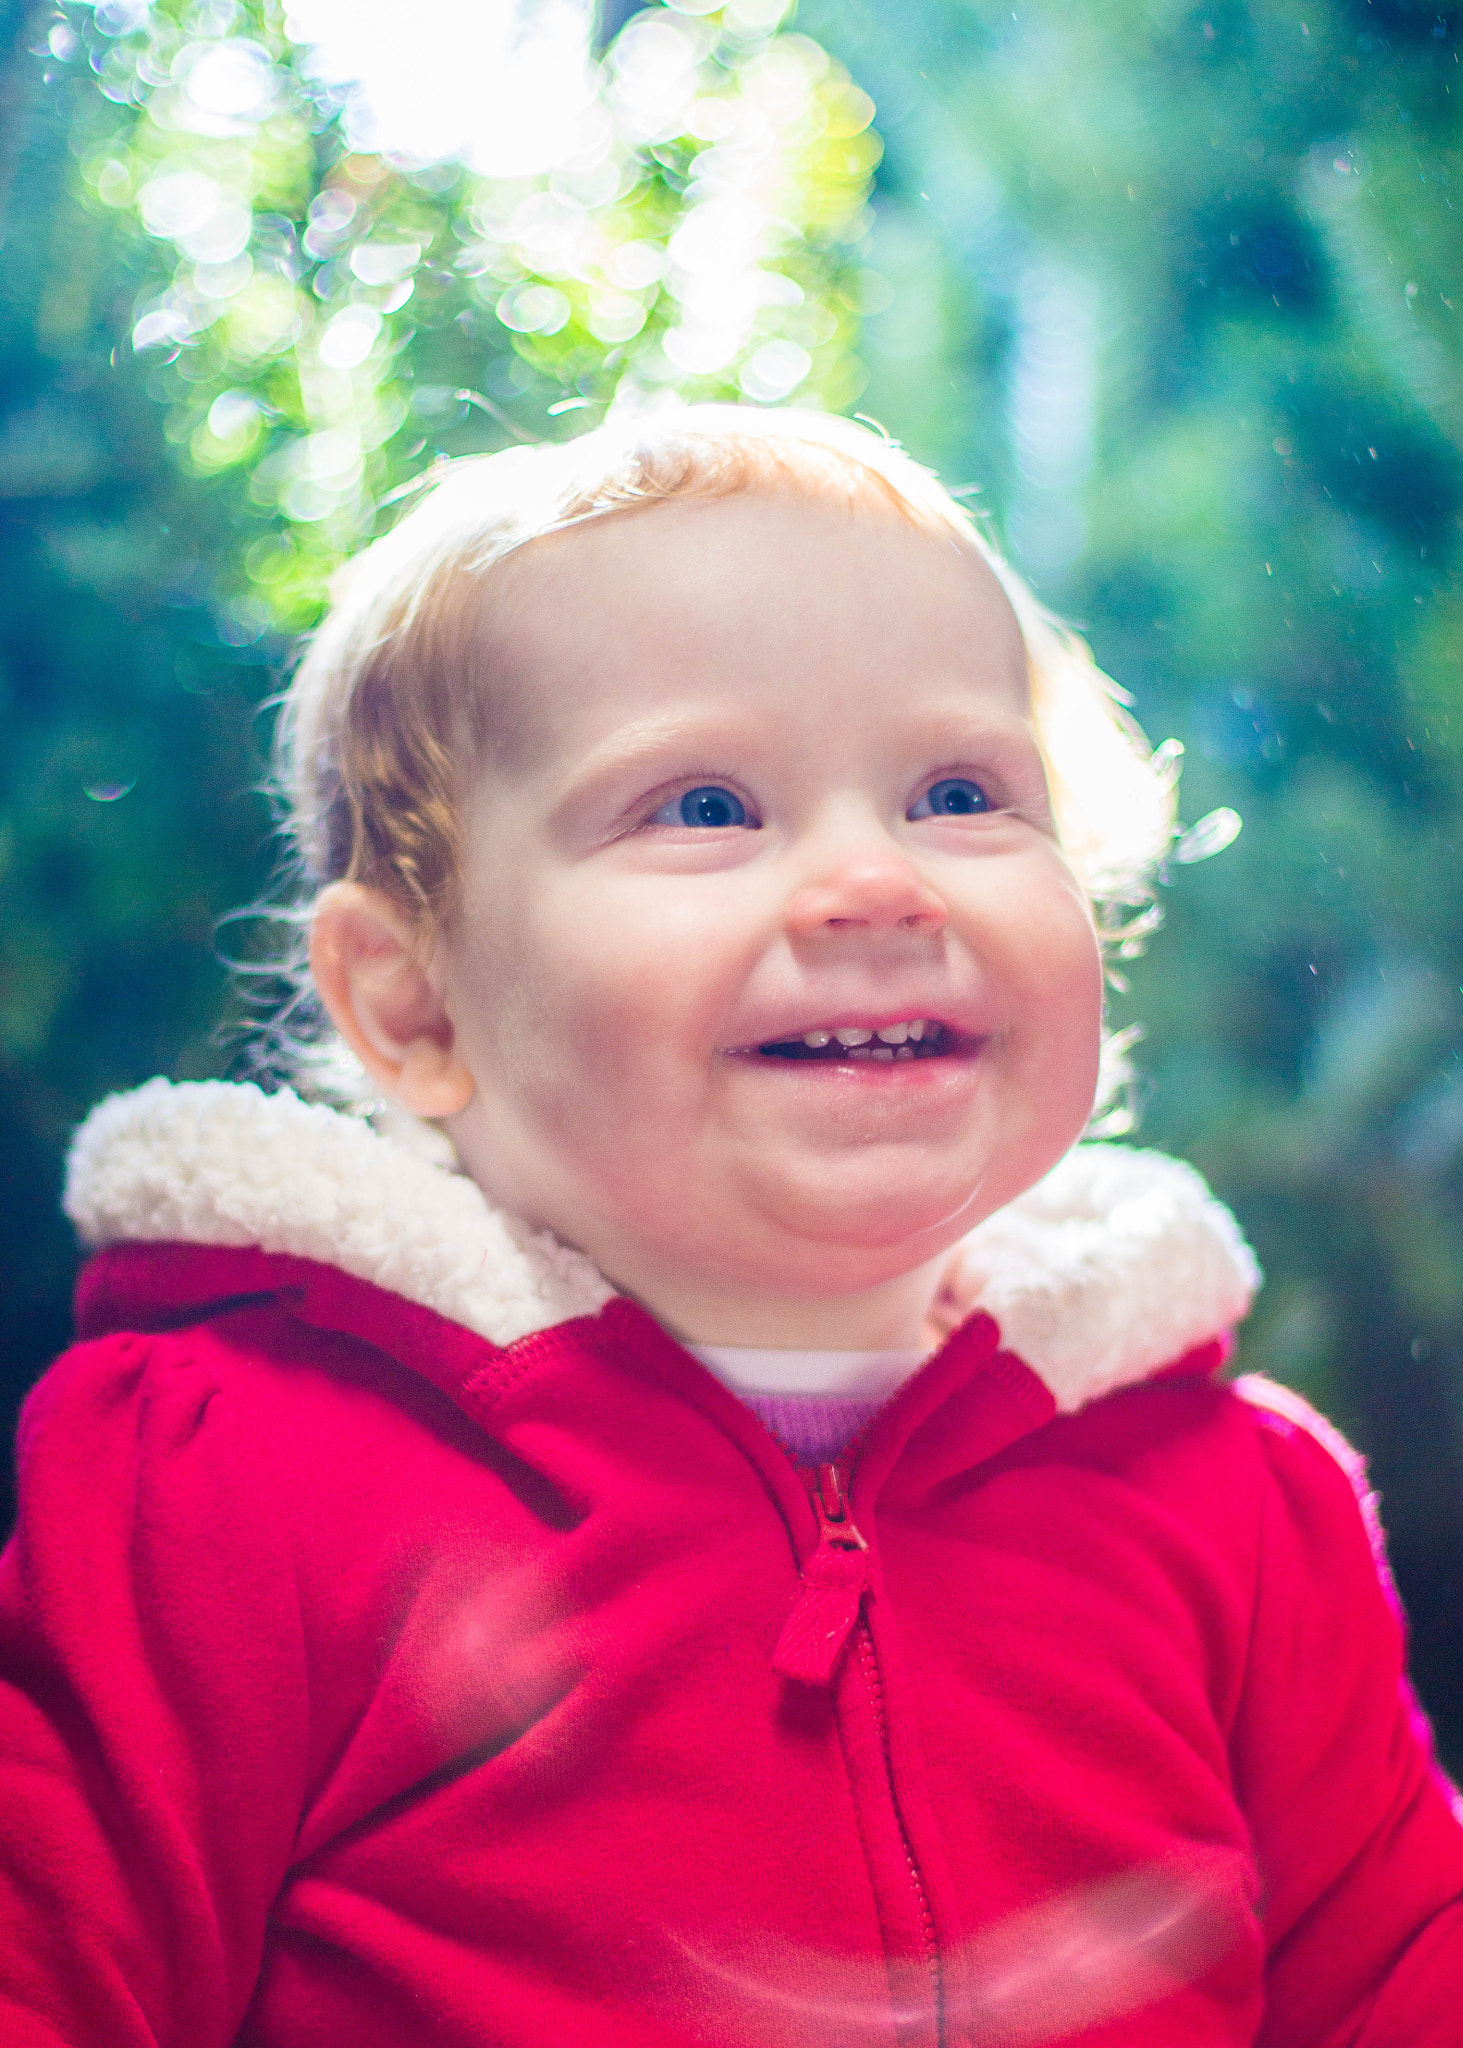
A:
(879, 892)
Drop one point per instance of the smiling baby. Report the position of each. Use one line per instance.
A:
(686, 1507)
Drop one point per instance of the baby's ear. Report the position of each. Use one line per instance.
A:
(374, 979)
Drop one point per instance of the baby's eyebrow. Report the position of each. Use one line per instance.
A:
(648, 750)
(648, 740)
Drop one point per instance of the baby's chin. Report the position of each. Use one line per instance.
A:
(856, 1216)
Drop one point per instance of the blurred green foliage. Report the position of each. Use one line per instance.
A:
(322, 312)
(1179, 287)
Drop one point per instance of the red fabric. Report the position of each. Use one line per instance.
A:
(364, 1685)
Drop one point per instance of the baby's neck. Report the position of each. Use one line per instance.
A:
(893, 1316)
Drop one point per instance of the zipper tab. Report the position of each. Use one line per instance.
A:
(830, 1504)
(834, 1580)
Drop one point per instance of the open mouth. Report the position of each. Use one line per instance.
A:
(921, 1039)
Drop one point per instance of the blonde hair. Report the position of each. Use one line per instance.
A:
(390, 700)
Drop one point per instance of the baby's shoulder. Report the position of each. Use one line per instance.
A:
(1245, 1467)
(1246, 1430)
(1322, 1502)
(181, 1382)
(241, 1418)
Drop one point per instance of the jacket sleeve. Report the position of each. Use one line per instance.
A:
(1358, 1837)
(152, 1708)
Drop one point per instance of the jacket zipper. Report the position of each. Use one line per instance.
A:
(839, 1535)
(869, 1661)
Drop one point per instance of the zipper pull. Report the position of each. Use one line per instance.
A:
(833, 1583)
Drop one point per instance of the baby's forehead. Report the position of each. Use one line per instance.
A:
(700, 593)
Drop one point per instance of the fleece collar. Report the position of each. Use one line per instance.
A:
(1115, 1265)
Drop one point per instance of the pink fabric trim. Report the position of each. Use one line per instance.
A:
(1293, 1410)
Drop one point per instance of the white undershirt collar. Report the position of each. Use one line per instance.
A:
(845, 1375)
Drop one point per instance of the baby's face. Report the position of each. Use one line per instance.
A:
(768, 783)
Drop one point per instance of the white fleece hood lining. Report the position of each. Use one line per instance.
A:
(1110, 1268)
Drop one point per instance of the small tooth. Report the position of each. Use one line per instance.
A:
(881, 1052)
(917, 1029)
(903, 1052)
(852, 1034)
(817, 1039)
(893, 1034)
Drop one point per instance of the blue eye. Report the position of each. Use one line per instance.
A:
(711, 805)
(955, 797)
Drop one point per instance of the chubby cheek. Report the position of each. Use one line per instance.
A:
(576, 1015)
(1054, 966)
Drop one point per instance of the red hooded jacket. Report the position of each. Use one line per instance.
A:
(404, 1641)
